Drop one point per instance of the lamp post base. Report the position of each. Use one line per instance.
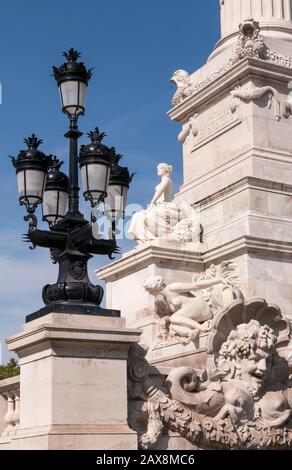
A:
(73, 309)
(73, 292)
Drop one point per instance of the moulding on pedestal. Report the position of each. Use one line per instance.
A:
(156, 251)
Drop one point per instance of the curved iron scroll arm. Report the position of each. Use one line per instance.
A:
(33, 221)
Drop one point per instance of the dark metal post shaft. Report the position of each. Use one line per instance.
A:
(73, 135)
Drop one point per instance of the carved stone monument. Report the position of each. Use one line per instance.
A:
(213, 369)
(208, 286)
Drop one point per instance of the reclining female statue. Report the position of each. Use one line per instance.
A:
(186, 307)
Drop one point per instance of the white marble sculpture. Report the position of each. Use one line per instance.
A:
(187, 308)
(164, 218)
(182, 80)
(242, 399)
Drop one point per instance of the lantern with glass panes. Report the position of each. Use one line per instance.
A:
(95, 160)
(119, 183)
(72, 79)
(56, 193)
(31, 167)
(40, 181)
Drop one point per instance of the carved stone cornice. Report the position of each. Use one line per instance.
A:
(247, 67)
(247, 244)
(248, 182)
(152, 252)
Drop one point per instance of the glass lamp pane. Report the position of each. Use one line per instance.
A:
(73, 96)
(54, 205)
(63, 203)
(84, 178)
(95, 179)
(31, 185)
(98, 177)
(82, 94)
(125, 198)
(116, 199)
(20, 183)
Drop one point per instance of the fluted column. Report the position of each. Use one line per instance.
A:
(271, 13)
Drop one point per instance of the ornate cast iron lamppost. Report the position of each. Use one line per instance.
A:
(40, 181)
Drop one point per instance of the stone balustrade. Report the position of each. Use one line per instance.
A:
(9, 406)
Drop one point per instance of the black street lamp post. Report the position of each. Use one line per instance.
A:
(70, 237)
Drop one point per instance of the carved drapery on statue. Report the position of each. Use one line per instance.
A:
(241, 400)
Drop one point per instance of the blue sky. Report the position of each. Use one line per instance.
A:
(134, 47)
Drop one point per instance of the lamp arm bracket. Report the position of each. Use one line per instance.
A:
(46, 239)
(33, 221)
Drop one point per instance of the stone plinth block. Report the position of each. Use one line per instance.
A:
(73, 384)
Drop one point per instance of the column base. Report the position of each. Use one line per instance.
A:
(72, 309)
(103, 437)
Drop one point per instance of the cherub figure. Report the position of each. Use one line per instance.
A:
(240, 386)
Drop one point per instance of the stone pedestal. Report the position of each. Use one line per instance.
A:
(235, 115)
(73, 383)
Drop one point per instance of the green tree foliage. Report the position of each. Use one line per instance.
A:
(10, 370)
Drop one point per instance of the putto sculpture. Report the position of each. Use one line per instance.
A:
(164, 218)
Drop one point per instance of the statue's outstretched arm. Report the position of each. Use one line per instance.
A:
(190, 286)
